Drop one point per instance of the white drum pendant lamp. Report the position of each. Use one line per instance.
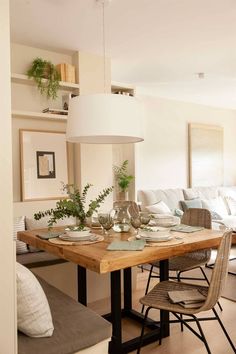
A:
(104, 119)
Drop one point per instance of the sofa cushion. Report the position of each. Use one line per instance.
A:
(33, 312)
(171, 197)
(231, 202)
(19, 225)
(192, 203)
(38, 259)
(215, 204)
(76, 327)
(158, 208)
(201, 192)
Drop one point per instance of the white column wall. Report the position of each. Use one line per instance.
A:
(7, 251)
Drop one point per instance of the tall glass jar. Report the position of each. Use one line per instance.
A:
(121, 218)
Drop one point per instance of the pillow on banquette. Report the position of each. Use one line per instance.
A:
(216, 205)
(158, 208)
(19, 225)
(33, 312)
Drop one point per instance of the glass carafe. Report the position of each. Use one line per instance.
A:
(121, 218)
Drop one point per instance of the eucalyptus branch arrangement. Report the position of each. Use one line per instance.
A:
(43, 69)
(122, 177)
(74, 205)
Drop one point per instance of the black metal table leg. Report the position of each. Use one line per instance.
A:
(82, 285)
(127, 289)
(164, 315)
(115, 346)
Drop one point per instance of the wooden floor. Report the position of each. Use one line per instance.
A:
(180, 342)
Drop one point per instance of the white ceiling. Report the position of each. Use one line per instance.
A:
(159, 45)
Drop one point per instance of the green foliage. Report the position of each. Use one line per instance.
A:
(74, 205)
(43, 69)
(122, 177)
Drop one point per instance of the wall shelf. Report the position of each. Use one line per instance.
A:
(38, 115)
(23, 79)
(122, 87)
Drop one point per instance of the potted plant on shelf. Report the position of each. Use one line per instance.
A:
(44, 69)
(75, 206)
(123, 179)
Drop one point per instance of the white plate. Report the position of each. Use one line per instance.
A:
(80, 238)
(155, 239)
(154, 234)
(165, 224)
(77, 234)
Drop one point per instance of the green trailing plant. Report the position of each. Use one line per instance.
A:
(122, 177)
(74, 205)
(41, 70)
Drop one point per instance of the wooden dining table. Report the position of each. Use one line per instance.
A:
(97, 258)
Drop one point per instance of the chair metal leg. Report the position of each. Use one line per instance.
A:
(142, 331)
(202, 335)
(205, 276)
(224, 330)
(148, 283)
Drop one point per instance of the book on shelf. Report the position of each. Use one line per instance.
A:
(55, 111)
(67, 72)
(61, 71)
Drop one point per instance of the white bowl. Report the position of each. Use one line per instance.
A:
(78, 233)
(155, 234)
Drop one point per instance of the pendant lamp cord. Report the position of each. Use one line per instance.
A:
(104, 45)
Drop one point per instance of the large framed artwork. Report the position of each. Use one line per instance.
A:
(206, 155)
(43, 164)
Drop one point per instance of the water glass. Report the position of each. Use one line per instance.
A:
(136, 223)
(106, 222)
(145, 218)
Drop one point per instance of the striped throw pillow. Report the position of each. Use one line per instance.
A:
(19, 225)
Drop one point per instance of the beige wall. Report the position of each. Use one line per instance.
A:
(162, 159)
(7, 253)
(93, 163)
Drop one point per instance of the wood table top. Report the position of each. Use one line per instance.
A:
(97, 258)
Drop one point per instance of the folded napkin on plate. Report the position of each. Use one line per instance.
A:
(48, 235)
(186, 228)
(136, 245)
(187, 298)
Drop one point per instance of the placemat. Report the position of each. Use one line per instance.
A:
(134, 245)
(58, 241)
(186, 228)
(160, 244)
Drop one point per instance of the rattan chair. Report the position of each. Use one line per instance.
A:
(158, 298)
(192, 260)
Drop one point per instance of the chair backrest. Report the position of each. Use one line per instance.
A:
(197, 217)
(220, 272)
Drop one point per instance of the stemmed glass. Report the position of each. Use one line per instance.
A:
(145, 218)
(136, 223)
(106, 221)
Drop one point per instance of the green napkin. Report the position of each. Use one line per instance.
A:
(186, 228)
(48, 235)
(136, 245)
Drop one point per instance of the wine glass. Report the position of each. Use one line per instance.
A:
(108, 225)
(145, 218)
(136, 223)
(106, 222)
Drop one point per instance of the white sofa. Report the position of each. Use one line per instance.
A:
(221, 200)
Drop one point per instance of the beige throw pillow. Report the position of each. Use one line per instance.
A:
(231, 202)
(216, 204)
(33, 312)
(158, 208)
(19, 225)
